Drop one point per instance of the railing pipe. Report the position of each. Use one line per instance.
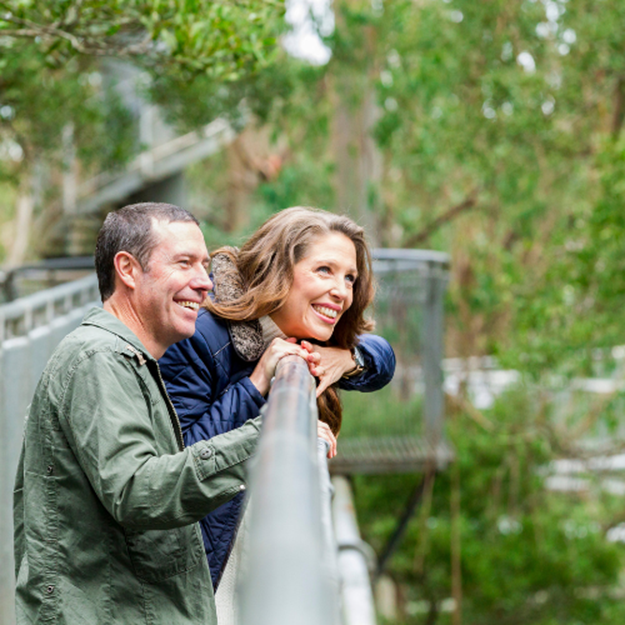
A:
(86, 287)
(412, 256)
(354, 559)
(286, 578)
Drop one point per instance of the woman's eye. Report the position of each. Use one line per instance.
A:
(323, 269)
(350, 278)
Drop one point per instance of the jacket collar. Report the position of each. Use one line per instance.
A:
(106, 321)
(246, 336)
(270, 330)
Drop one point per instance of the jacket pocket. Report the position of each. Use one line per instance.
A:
(157, 555)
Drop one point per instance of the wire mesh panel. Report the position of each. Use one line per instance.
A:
(399, 428)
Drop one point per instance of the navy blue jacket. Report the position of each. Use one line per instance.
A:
(209, 386)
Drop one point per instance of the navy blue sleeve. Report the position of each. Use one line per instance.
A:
(206, 398)
(380, 365)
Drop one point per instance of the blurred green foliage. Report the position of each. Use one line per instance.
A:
(529, 555)
(224, 39)
(498, 138)
(381, 414)
(56, 83)
(518, 107)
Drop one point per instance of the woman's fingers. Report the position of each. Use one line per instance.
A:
(266, 366)
(327, 364)
(281, 347)
(324, 431)
(313, 357)
(324, 383)
(333, 362)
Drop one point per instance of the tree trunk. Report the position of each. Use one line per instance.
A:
(356, 154)
(251, 159)
(22, 223)
(619, 107)
(70, 170)
(456, 546)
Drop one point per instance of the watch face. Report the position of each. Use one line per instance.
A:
(358, 358)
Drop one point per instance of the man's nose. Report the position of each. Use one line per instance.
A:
(201, 281)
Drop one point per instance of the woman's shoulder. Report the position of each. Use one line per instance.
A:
(211, 332)
(208, 324)
(210, 337)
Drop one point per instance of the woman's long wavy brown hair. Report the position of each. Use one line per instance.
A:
(265, 264)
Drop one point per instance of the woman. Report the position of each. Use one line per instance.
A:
(305, 274)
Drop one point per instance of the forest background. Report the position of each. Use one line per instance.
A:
(490, 130)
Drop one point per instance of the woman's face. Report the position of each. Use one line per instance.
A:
(323, 289)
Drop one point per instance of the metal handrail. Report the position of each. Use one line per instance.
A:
(46, 270)
(51, 303)
(355, 558)
(287, 578)
(412, 256)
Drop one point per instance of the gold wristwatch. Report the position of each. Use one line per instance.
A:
(359, 360)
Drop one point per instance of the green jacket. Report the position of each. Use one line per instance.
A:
(106, 497)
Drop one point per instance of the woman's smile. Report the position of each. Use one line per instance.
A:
(322, 290)
(327, 312)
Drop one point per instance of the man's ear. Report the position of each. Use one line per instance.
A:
(127, 269)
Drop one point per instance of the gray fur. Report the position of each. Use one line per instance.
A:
(246, 336)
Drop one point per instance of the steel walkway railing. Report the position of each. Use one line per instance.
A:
(30, 330)
(298, 568)
(289, 576)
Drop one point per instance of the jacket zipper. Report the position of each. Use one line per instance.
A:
(173, 415)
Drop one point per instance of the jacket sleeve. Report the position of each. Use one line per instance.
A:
(105, 417)
(206, 403)
(380, 365)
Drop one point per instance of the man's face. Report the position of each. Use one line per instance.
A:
(167, 296)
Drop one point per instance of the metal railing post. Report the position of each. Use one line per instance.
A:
(433, 350)
(286, 577)
(357, 596)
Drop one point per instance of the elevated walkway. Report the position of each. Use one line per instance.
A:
(408, 311)
(159, 163)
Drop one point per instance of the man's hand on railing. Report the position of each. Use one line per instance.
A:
(324, 432)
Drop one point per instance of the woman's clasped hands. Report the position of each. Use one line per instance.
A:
(327, 364)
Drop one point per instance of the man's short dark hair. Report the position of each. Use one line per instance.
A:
(129, 229)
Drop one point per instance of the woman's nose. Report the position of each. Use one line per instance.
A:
(339, 290)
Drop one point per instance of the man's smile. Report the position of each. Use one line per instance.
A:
(188, 304)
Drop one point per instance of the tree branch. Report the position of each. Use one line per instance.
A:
(447, 216)
(91, 46)
(82, 45)
(619, 107)
(72, 15)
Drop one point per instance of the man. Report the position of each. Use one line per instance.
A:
(106, 495)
